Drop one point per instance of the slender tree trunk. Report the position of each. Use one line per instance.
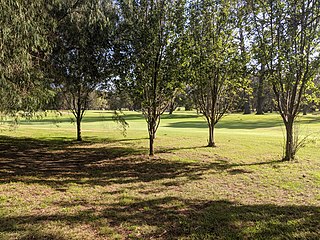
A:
(79, 137)
(151, 141)
(211, 141)
(171, 108)
(260, 97)
(151, 128)
(152, 134)
(246, 106)
(289, 151)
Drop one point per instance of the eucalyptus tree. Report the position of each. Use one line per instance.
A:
(215, 65)
(288, 36)
(151, 55)
(25, 28)
(82, 55)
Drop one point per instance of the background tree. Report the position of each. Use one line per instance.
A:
(151, 55)
(288, 36)
(82, 56)
(214, 59)
(25, 28)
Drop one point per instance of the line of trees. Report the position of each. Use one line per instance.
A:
(216, 55)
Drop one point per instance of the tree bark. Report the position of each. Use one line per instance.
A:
(171, 108)
(79, 137)
(151, 141)
(152, 134)
(260, 97)
(211, 141)
(289, 151)
(247, 109)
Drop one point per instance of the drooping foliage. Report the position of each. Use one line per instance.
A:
(82, 55)
(24, 46)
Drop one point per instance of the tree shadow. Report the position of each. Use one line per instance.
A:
(176, 218)
(226, 124)
(219, 219)
(104, 116)
(242, 124)
(57, 163)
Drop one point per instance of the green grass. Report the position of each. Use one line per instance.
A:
(106, 187)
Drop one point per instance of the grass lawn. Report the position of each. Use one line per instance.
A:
(107, 187)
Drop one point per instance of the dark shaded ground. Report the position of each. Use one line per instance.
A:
(198, 220)
(71, 162)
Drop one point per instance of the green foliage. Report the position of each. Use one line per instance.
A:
(82, 54)
(216, 70)
(119, 118)
(150, 54)
(288, 34)
(24, 46)
(215, 66)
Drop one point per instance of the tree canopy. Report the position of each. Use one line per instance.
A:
(24, 46)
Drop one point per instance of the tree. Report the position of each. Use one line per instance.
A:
(24, 46)
(82, 56)
(215, 72)
(288, 36)
(150, 55)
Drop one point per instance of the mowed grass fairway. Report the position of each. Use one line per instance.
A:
(52, 187)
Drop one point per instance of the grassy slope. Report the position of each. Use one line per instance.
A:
(107, 188)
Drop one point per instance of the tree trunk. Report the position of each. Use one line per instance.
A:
(79, 137)
(247, 108)
(171, 108)
(289, 151)
(151, 148)
(260, 97)
(211, 142)
(152, 135)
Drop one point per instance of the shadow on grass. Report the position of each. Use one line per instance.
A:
(102, 117)
(243, 124)
(174, 218)
(219, 219)
(226, 124)
(57, 163)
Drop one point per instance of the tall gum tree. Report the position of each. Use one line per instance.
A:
(214, 69)
(288, 34)
(150, 54)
